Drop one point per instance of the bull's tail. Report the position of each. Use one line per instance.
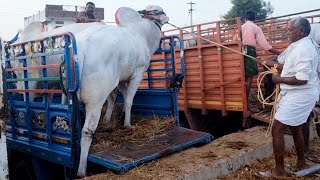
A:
(79, 58)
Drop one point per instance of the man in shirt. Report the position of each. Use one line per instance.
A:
(299, 84)
(310, 155)
(87, 16)
(251, 35)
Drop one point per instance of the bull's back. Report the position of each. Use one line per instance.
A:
(115, 47)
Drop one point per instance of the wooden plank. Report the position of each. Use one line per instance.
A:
(40, 91)
(35, 79)
(32, 67)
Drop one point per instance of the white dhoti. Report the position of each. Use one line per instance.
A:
(295, 106)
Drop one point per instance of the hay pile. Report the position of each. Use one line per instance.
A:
(114, 135)
(255, 105)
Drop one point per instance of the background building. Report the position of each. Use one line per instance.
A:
(59, 15)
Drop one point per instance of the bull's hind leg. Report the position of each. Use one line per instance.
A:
(131, 91)
(111, 101)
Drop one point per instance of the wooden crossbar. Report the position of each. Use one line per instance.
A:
(40, 91)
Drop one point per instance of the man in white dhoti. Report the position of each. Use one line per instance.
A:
(299, 83)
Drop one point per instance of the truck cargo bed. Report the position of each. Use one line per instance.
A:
(127, 156)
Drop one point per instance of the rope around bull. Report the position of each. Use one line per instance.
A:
(273, 71)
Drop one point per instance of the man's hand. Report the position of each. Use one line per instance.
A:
(272, 61)
(276, 79)
(274, 51)
(268, 63)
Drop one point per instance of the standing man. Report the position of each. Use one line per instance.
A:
(299, 84)
(310, 155)
(87, 16)
(251, 35)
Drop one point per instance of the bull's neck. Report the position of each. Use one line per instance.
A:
(155, 41)
(152, 35)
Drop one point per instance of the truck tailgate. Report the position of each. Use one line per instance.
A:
(128, 156)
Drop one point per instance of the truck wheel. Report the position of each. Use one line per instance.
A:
(24, 171)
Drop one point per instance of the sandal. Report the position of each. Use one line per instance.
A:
(269, 174)
(311, 156)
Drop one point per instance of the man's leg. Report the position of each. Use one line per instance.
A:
(299, 144)
(248, 85)
(278, 147)
(306, 131)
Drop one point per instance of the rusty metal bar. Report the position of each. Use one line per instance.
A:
(287, 15)
(201, 69)
(223, 83)
(32, 67)
(243, 81)
(221, 77)
(185, 93)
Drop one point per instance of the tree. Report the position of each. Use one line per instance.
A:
(240, 7)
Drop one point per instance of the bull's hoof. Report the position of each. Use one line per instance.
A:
(105, 122)
(128, 126)
(80, 175)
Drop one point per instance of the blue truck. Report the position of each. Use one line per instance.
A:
(43, 135)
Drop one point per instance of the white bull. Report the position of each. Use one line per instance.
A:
(315, 33)
(110, 55)
(35, 31)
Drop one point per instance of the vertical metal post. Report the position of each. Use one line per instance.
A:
(220, 62)
(201, 69)
(27, 98)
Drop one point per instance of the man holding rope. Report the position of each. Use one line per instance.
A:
(299, 84)
(251, 35)
(311, 156)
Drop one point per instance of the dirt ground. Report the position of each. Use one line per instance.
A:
(248, 171)
(194, 159)
(188, 161)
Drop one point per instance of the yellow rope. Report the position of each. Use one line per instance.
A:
(265, 101)
(315, 116)
(220, 45)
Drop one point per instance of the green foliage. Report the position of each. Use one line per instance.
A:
(240, 7)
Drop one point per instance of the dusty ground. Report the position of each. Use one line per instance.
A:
(267, 164)
(187, 161)
(196, 159)
(168, 168)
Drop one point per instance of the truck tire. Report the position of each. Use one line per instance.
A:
(24, 171)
